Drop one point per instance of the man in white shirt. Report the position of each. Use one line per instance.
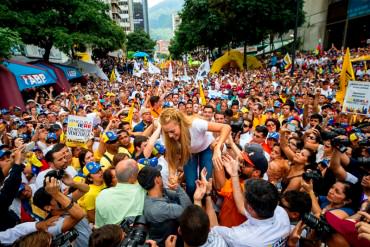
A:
(59, 159)
(267, 224)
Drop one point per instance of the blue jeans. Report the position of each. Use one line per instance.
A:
(202, 159)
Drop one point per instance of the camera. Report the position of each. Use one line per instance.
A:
(364, 143)
(319, 224)
(136, 231)
(65, 239)
(236, 127)
(340, 144)
(58, 174)
(308, 175)
(364, 161)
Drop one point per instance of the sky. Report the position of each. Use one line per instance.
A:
(153, 2)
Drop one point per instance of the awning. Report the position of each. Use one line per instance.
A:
(29, 76)
(140, 54)
(88, 68)
(69, 71)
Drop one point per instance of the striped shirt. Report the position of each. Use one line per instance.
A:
(214, 240)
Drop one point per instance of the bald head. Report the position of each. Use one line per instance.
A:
(126, 171)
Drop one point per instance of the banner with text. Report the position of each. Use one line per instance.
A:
(79, 130)
(357, 98)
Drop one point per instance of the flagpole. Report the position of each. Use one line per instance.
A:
(295, 38)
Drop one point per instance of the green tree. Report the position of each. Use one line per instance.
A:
(217, 23)
(8, 39)
(201, 25)
(140, 41)
(67, 25)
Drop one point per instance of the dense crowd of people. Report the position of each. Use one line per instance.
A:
(269, 159)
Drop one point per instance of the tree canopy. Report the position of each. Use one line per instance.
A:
(67, 25)
(8, 39)
(140, 41)
(219, 23)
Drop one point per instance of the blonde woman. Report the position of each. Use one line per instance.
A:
(187, 141)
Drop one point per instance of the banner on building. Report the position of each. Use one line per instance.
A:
(357, 98)
(79, 131)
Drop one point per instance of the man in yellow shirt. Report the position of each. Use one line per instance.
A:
(126, 146)
(258, 117)
(155, 103)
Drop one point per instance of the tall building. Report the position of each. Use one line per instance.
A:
(313, 30)
(176, 20)
(348, 23)
(140, 15)
(126, 14)
(115, 10)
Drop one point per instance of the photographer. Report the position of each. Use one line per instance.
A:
(51, 199)
(10, 180)
(297, 204)
(58, 159)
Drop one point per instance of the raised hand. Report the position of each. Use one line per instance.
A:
(200, 191)
(231, 165)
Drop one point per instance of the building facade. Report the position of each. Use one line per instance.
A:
(140, 15)
(312, 31)
(348, 23)
(131, 15)
(342, 23)
(176, 20)
(126, 15)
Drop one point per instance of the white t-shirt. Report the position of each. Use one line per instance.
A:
(245, 138)
(165, 173)
(200, 137)
(327, 93)
(253, 232)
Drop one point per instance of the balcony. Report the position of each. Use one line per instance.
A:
(115, 10)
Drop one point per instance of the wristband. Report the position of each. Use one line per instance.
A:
(207, 194)
(69, 206)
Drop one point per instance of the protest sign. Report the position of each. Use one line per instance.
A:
(79, 131)
(357, 98)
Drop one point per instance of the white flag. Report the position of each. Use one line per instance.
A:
(118, 76)
(152, 69)
(170, 74)
(185, 78)
(203, 70)
(137, 71)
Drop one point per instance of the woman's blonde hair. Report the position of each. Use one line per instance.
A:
(181, 147)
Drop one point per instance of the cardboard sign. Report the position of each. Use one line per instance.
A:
(79, 130)
(357, 98)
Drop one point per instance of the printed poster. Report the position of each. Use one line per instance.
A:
(357, 98)
(79, 131)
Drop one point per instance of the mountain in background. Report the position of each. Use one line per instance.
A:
(160, 18)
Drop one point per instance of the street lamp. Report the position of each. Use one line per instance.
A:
(295, 37)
